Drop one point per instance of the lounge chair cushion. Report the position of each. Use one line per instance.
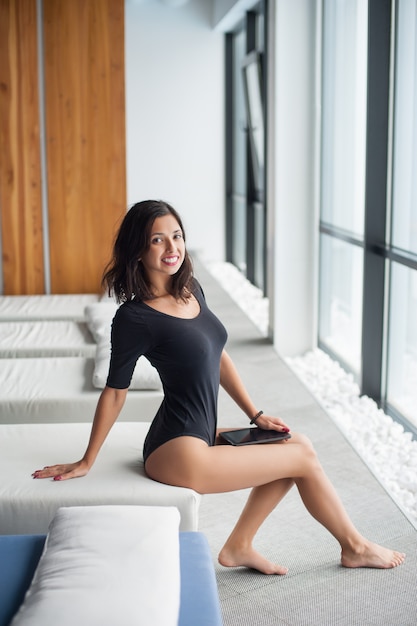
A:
(106, 565)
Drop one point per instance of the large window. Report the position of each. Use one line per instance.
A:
(245, 145)
(401, 383)
(344, 112)
(343, 179)
(368, 240)
(404, 216)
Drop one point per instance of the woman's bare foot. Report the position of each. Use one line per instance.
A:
(372, 555)
(249, 558)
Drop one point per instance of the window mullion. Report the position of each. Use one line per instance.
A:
(379, 40)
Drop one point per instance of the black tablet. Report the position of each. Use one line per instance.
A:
(247, 436)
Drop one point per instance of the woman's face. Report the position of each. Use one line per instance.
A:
(166, 251)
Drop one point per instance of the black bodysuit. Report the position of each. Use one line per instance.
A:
(186, 353)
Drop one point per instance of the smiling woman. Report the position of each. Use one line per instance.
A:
(142, 240)
(165, 317)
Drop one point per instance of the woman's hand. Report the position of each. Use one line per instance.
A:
(267, 422)
(108, 408)
(63, 472)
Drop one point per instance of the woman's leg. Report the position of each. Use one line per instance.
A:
(238, 549)
(327, 508)
(189, 462)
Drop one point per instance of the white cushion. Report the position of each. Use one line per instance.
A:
(45, 338)
(60, 389)
(118, 477)
(99, 317)
(107, 565)
(45, 307)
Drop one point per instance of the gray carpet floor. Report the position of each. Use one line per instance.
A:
(317, 591)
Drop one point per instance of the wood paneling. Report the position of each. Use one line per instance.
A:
(85, 128)
(20, 175)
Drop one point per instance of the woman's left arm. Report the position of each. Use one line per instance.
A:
(232, 383)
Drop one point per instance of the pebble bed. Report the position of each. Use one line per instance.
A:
(388, 450)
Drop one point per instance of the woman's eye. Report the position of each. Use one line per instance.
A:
(178, 236)
(156, 240)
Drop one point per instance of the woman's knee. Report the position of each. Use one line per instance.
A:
(302, 440)
(309, 453)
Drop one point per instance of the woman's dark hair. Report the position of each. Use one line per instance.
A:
(124, 276)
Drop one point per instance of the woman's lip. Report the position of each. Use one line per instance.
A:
(170, 260)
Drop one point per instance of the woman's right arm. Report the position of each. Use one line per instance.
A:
(110, 404)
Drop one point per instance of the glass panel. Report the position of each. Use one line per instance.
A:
(255, 117)
(341, 279)
(239, 116)
(239, 233)
(344, 113)
(402, 344)
(259, 248)
(405, 129)
(260, 31)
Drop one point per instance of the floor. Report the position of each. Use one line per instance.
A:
(317, 590)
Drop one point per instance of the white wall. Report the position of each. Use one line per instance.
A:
(175, 138)
(175, 115)
(293, 175)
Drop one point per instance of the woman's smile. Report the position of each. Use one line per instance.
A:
(171, 260)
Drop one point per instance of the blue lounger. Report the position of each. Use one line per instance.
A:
(199, 604)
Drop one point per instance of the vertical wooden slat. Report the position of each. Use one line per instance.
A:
(20, 170)
(85, 127)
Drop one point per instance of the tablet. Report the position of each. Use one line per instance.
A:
(247, 436)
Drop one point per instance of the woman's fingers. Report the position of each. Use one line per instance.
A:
(272, 423)
(61, 472)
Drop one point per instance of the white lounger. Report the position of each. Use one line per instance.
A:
(45, 307)
(61, 390)
(45, 338)
(27, 506)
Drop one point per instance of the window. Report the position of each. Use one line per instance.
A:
(344, 113)
(402, 345)
(341, 266)
(343, 179)
(401, 381)
(404, 221)
(245, 146)
(368, 227)
(239, 176)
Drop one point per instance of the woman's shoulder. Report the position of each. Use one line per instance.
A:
(196, 287)
(131, 321)
(131, 310)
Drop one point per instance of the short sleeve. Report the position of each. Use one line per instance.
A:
(130, 338)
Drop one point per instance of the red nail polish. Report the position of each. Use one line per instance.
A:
(58, 478)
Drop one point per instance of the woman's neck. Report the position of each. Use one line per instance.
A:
(161, 288)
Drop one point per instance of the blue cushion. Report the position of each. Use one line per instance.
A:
(19, 556)
(199, 596)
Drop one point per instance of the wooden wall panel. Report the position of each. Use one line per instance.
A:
(20, 173)
(85, 127)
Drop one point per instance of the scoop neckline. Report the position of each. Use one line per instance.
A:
(175, 317)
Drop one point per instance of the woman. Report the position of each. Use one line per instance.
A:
(164, 316)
